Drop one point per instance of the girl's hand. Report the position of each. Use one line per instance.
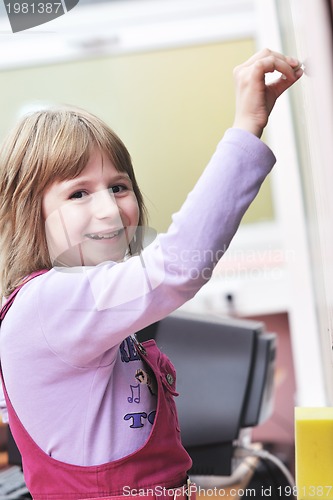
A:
(254, 97)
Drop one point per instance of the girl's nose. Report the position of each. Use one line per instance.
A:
(105, 205)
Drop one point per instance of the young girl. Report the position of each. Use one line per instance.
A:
(91, 409)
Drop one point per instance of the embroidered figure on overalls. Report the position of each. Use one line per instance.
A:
(145, 378)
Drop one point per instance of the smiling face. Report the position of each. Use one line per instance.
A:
(92, 218)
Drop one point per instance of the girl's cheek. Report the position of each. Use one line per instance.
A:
(61, 232)
(55, 235)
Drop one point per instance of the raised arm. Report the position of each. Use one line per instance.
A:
(106, 303)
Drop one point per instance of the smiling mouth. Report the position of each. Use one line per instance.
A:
(104, 236)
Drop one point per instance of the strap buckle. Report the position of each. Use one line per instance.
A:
(138, 345)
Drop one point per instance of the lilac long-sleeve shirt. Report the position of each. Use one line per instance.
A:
(69, 365)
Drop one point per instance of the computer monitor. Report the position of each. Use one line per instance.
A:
(225, 370)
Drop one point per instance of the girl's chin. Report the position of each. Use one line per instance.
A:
(83, 256)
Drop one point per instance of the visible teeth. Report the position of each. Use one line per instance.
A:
(103, 236)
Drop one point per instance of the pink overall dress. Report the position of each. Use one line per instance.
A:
(161, 464)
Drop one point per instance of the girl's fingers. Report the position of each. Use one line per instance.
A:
(270, 64)
(268, 52)
(270, 61)
(253, 74)
(283, 83)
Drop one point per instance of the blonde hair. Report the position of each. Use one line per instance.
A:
(47, 146)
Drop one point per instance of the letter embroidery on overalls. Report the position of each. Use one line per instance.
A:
(128, 351)
(137, 418)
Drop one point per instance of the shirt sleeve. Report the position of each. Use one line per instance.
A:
(84, 312)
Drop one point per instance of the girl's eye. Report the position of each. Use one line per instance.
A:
(78, 195)
(117, 189)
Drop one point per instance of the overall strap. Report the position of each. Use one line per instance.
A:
(10, 300)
